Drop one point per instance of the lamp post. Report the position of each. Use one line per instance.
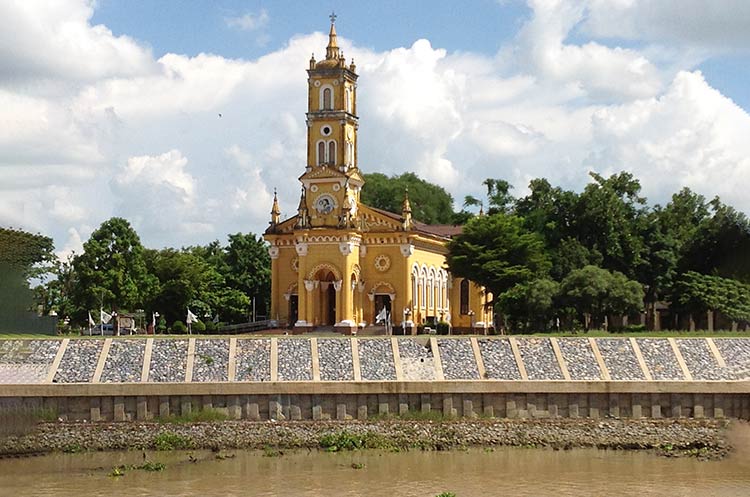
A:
(156, 320)
(471, 317)
(407, 320)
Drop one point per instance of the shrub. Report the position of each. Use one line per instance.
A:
(178, 327)
(199, 327)
(210, 327)
(443, 328)
(161, 327)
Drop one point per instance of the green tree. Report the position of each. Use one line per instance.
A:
(430, 203)
(699, 292)
(249, 268)
(530, 307)
(26, 252)
(720, 244)
(552, 212)
(499, 199)
(498, 253)
(609, 219)
(183, 280)
(595, 293)
(111, 271)
(23, 256)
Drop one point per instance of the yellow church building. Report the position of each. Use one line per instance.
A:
(338, 263)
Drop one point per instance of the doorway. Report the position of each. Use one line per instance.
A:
(382, 301)
(293, 309)
(330, 305)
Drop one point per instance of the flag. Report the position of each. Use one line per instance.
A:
(105, 318)
(191, 318)
(91, 320)
(381, 315)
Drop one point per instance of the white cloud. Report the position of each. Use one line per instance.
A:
(249, 21)
(143, 139)
(717, 25)
(54, 40)
(166, 170)
(690, 136)
(595, 71)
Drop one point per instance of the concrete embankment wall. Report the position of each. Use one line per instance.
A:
(320, 401)
(119, 379)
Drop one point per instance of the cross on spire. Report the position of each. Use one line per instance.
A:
(332, 17)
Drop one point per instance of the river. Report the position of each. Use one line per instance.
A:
(472, 473)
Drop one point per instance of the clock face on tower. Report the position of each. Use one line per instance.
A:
(324, 204)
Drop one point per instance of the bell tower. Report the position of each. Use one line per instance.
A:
(332, 181)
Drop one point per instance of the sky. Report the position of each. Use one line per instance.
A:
(111, 108)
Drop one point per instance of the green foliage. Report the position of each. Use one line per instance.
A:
(699, 292)
(595, 292)
(499, 199)
(199, 327)
(30, 254)
(443, 328)
(22, 256)
(183, 279)
(249, 269)
(530, 306)
(498, 253)
(179, 327)
(172, 441)
(161, 326)
(152, 466)
(430, 203)
(446, 494)
(210, 327)
(345, 441)
(720, 244)
(111, 271)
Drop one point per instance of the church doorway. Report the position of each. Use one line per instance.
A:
(326, 299)
(382, 301)
(330, 305)
(293, 309)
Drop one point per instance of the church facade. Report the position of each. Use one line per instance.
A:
(339, 263)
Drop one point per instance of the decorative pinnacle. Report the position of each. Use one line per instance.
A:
(332, 17)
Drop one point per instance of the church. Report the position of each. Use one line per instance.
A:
(340, 264)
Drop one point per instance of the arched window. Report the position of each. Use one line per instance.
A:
(347, 100)
(440, 294)
(464, 290)
(350, 145)
(327, 99)
(422, 289)
(331, 152)
(321, 152)
(414, 289)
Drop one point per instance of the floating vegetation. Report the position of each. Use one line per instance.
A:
(122, 469)
(172, 441)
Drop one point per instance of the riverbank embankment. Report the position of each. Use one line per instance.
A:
(685, 437)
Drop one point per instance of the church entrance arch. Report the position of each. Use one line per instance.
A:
(326, 296)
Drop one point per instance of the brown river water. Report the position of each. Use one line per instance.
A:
(472, 473)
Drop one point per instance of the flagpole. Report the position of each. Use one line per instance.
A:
(101, 320)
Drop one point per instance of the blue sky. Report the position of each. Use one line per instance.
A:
(483, 26)
(110, 108)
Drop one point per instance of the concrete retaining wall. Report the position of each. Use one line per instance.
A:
(332, 378)
(308, 400)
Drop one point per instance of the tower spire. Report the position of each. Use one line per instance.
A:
(332, 50)
(275, 211)
(406, 211)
